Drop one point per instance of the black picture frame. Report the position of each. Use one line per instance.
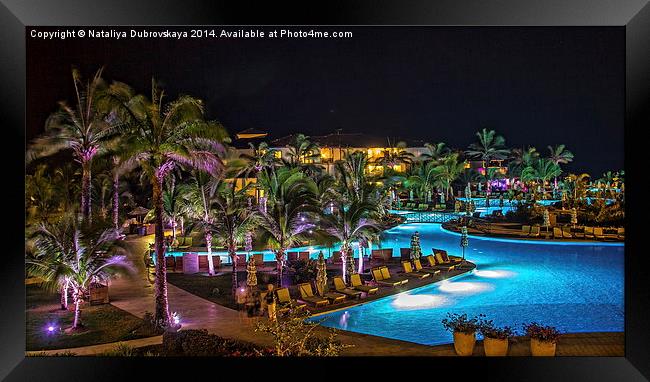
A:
(634, 16)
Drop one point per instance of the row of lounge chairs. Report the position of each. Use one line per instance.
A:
(342, 291)
(423, 207)
(595, 233)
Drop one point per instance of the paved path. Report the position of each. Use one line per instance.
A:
(135, 295)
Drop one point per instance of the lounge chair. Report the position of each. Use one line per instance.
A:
(259, 259)
(381, 275)
(589, 233)
(422, 207)
(307, 295)
(285, 302)
(446, 258)
(566, 233)
(187, 243)
(557, 233)
(340, 287)
(405, 253)
(598, 233)
(620, 233)
(355, 281)
(525, 230)
(534, 231)
(433, 263)
(409, 272)
(418, 267)
(170, 263)
(292, 256)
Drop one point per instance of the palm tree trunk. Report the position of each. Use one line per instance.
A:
(279, 263)
(487, 195)
(64, 296)
(360, 269)
(77, 311)
(161, 302)
(85, 191)
(116, 201)
(233, 258)
(208, 244)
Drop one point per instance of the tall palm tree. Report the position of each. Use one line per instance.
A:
(576, 185)
(490, 146)
(422, 179)
(351, 222)
(293, 204)
(67, 258)
(302, 151)
(82, 127)
(559, 155)
(160, 137)
(234, 218)
(173, 206)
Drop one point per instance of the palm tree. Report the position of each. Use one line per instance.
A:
(160, 137)
(83, 128)
(576, 185)
(234, 218)
(292, 199)
(302, 151)
(173, 207)
(422, 179)
(40, 193)
(394, 155)
(490, 146)
(447, 171)
(434, 152)
(541, 169)
(559, 155)
(261, 157)
(351, 222)
(66, 258)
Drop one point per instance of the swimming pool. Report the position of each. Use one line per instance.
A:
(575, 287)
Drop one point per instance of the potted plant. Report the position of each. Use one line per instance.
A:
(464, 331)
(543, 339)
(495, 339)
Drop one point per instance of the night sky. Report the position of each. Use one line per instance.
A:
(535, 86)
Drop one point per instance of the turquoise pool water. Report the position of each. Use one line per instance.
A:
(575, 287)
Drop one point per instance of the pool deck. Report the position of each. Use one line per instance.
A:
(135, 295)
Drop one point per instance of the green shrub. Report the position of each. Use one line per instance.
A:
(302, 270)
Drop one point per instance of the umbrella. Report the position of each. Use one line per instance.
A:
(416, 250)
(464, 242)
(574, 216)
(321, 274)
(251, 271)
(547, 218)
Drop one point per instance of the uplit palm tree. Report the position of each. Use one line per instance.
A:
(576, 186)
(292, 204)
(521, 158)
(173, 207)
(234, 218)
(351, 222)
(351, 174)
(66, 258)
(82, 128)
(489, 147)
(160, 137)
(262, 157)
(422, 179)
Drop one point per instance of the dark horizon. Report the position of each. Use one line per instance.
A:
(535, 86)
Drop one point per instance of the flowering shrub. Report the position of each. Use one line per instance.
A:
(460, 323)
(489, 330)
(541, 333)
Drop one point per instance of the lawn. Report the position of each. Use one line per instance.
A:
(217, 289)
(102, 323)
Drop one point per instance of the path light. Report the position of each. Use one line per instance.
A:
(176, 318)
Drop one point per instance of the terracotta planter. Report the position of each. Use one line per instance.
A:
(495, 347)
(542, 349)
(464, 343)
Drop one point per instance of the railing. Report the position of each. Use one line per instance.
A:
(430, 217)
